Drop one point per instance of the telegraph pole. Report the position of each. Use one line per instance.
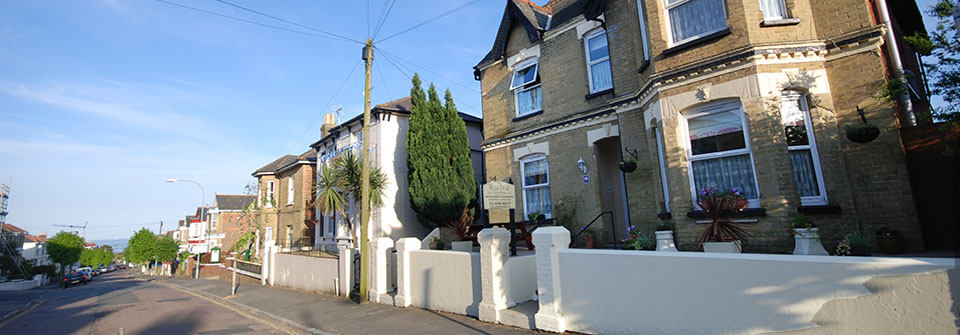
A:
(365, 171)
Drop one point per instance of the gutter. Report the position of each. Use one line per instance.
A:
(894, 52)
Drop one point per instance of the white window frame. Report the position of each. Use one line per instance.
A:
(663, 167)
(643, 30)
(590, 63)
(766, 12)
(290, 190)
(534, 62)
(667, 7)
(523, 181)
(213, 221)
(711, 109)
(270, 189)
(812, 146)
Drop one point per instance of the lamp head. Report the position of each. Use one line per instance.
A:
(171, 180)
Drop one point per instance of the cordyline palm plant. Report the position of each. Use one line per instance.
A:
(718, 204)
(336, 181)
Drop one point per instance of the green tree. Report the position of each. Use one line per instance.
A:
(341, 179)
(65, 249)
(166, 249)
(944, 74)
(440, 173)
(141, 247)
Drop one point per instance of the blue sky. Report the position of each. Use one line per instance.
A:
(102, 100)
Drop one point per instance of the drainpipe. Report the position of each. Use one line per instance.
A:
(894, 52)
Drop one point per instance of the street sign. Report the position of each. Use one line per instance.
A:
(199, 248)
(499, 195)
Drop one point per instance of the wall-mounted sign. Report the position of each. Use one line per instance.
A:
(496, 216)
(586, 179)
(499, 195)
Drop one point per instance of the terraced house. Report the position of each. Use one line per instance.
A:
(285, 192)
(753, 94)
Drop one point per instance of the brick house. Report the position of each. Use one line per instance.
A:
(228, 218)
(285, 193)
(395, 218)
(707, 93)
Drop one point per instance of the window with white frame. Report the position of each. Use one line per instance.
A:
(798, 130)
(773, 9)
(526, 87)
(661, 156)
(719, 150)
(213, 221)
(290, 190)
(691, 19)
(536, 185)
(598, 61)
(270, 189)
(643, 30)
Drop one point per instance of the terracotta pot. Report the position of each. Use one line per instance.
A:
(591, 240)
(890, 244)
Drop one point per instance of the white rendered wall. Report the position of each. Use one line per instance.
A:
(624, 292)
(315, 274)
(395, 219)
(523, 277)
(446, 281)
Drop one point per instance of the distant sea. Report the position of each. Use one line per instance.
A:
(118, 245)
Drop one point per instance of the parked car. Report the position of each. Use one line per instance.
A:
(86, 271)
(74, 278)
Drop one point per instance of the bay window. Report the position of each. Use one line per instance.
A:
(598, 61)
(719, 150)
(536, 186)
(526, 87)
(690, 19)
(798, 130)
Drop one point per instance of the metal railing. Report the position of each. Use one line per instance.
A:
(574, 238)
(251, 268)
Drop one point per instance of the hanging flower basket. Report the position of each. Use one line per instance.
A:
(628, 166)
(863, 134)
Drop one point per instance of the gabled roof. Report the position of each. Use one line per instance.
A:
(536, 20)
(532, 17)
(37, 239)
(13, 229)
(234, 202)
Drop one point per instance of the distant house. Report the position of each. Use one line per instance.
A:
(13, 236)
(35, 249)
(196, 227)
(285, 191)
(388, 134)
(227, 218)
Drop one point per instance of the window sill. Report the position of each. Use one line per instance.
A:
(746, 213)
(819, 209)
(697, 42)
(644, 66)
(597, 94)
(780, 22)
(527, 116)
(664, 216)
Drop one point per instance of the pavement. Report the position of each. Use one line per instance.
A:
(327, 314)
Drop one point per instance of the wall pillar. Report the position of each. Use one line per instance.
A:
(404, 246)
(266, 264)
(346, 269)
(495, 279)
(379, 291)
(550, 240)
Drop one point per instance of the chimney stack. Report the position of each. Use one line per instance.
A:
(329, 121)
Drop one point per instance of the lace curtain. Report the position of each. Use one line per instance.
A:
(726, 173)
(696, 17)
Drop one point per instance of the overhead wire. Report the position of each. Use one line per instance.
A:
(465, 5)
(345, 79)
(384, 81)
(255, 22)
(429, 71)
(383, 19)
(290, 22)
(388, 58)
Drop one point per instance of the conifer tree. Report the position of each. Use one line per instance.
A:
(439, 171)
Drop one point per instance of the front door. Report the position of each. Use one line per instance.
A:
(613, 197)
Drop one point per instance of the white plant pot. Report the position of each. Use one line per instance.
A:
(665, 241)
(461, 246)
(724, 247)
(808, 242)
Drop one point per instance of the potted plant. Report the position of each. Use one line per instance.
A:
(462, 228)
(807, 237)
(640, 240)
(889, 241)
(629, 164)
(591, 238)
(853, 244)
(665, 237)
(864, 132)
(720, 235)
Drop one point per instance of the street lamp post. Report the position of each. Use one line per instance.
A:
(203, 197)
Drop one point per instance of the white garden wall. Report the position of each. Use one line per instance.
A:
(445, 280)
(316, 274)
(523, 277)
(646, 292)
